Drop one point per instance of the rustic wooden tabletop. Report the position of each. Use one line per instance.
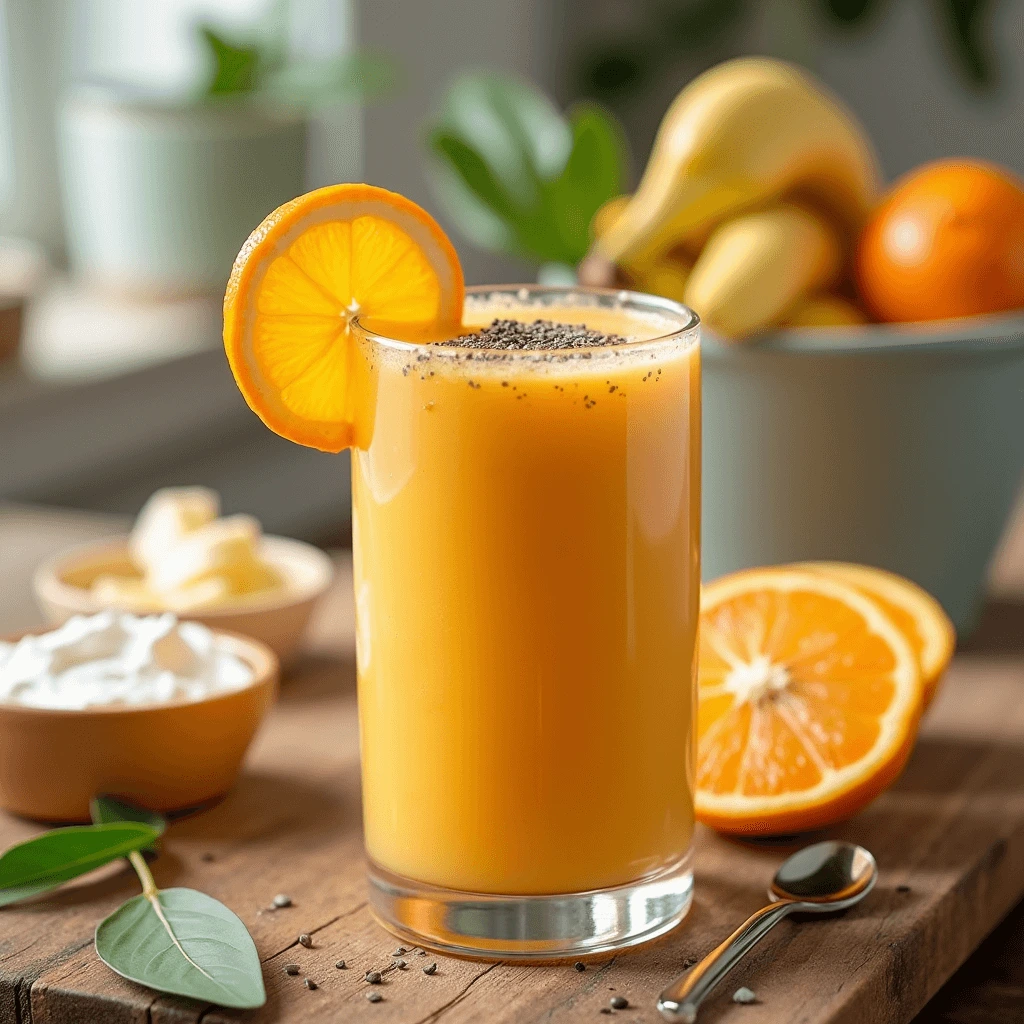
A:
(949, 839)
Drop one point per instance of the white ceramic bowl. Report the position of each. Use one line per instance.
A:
(277, 619)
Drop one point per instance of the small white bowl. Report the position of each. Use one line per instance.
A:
(276, 618)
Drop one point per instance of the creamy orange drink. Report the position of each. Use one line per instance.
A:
(526, 488)
(525, 533)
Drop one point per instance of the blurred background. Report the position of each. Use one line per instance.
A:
(140, 142)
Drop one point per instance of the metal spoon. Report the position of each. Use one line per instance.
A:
(819, 879)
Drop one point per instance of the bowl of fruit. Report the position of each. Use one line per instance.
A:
(863, 353)
(183, 557)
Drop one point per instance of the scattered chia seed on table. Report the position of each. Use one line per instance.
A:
(374, 997)
(373, 977)
(619, 1002)
(540, 334)
(580, 966)
(280, 901)
(291, 968)
(305, 941)
(340, 965)
(311, 985)
(430, 969)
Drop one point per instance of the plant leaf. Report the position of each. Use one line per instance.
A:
(54, 857)
(235, 67)
(105, 809)
(594, 173)
(515, 175)
(184, 942)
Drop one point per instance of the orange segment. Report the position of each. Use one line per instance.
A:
(918, 615)
(304, 274)
(809, 697)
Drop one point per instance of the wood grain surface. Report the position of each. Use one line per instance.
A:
(949, 839)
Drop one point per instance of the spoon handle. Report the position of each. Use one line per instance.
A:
(680, 1001)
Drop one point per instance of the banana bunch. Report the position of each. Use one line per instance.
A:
(757, 184)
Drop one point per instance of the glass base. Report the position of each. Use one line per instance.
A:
(532, 927)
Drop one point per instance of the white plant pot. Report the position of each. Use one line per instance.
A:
(159, 196)
(899, 446)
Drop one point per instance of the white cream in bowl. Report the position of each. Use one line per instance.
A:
(118, 659)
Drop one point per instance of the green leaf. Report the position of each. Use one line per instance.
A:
(184, 942)
(235, 66)
(965, 22)
(516, 176)
(594, 174)
(55, 857)
(104, 809)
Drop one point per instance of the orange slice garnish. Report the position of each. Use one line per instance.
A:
(300, 279)
(919, 616)
(809, 700)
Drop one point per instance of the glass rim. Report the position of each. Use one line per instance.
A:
(641, 302)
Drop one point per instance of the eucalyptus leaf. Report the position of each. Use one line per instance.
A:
(54, 857)
(184, 942)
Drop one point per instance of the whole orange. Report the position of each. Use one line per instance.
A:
(947, 241)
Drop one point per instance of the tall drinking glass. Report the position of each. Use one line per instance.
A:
(527, 545)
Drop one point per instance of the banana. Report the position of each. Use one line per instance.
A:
(666, 277)
(824, 310)
(744, 133)
(757, 265)
(167, 517)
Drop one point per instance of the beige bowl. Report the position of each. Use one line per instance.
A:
(166, 757)
(277, 619)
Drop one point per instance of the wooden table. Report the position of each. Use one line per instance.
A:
(949, 838)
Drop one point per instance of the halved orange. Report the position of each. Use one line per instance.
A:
(809, 700)
(919, 616)
(303, 275)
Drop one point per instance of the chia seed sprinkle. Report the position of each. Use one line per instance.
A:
(291, 968)
(903, 888)
(280, 901)
(374, 997)
(401, 965)
(580, 966)
(401, 951)
(606, 1009)
(372, 977)
(305, 941)
(311, 985)
(341, 965)
(430, 969)
(618, 1002)
(540, 334)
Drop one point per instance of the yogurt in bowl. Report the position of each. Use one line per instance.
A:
(153, 710)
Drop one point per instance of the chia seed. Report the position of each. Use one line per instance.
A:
(540, 334)
(744, 995)
(280, 901)
(291, 968)
(430, 969)
(374, 997)
(618, 1002)
(340, 965)
(580, 966)
(311, 985)
(305, 941)
(373, 977)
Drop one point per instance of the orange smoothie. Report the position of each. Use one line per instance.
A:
(526, 543)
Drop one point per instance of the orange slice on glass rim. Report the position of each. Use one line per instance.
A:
(303, 275)
(921, 618)
(809, 700)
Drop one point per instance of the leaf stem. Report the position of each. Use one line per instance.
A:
(149, 888)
